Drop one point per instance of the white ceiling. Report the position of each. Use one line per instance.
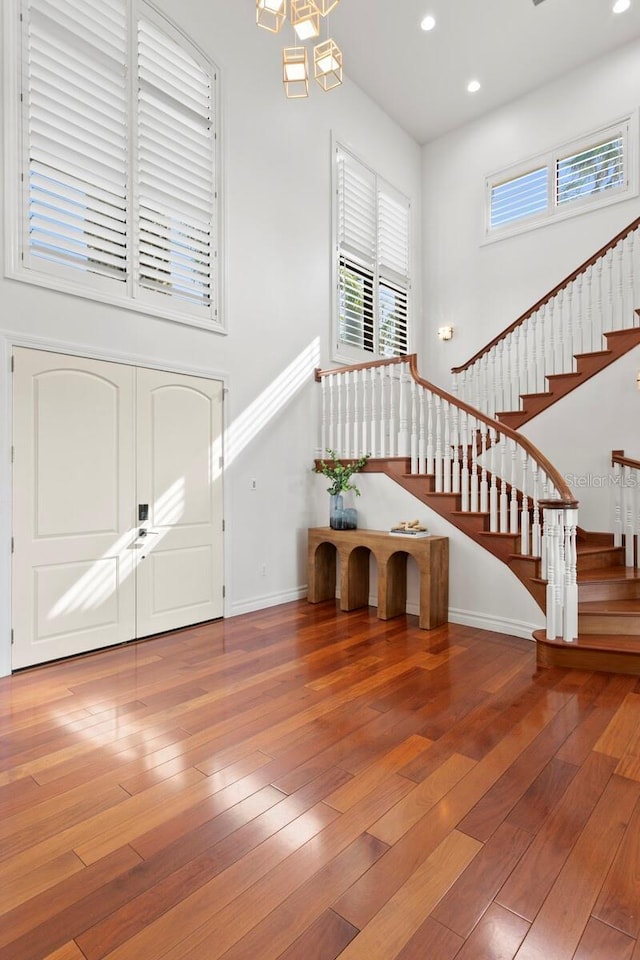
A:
(511, 46)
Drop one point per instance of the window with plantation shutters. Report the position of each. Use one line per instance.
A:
(119, 182)
(372, 235)
(76, 127)
(598, 169)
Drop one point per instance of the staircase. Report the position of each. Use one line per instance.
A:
(608, 592)
(581, 326)
(492, 483)
(587, 365)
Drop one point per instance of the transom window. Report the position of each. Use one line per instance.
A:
(596, 170)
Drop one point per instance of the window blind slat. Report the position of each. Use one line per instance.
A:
(373, 236)
(147, 218)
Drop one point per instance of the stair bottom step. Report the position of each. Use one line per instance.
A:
(605, 653)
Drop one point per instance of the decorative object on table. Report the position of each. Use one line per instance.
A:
(339, 473)
(409, 528)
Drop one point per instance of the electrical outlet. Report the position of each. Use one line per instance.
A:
(253, 484)
(263, 570)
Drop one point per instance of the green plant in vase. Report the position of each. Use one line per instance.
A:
(340, 472)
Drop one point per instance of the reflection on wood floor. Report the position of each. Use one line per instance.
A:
(304, 784)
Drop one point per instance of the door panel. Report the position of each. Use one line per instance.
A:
(73, 506)
(92, 440)
(179, 424)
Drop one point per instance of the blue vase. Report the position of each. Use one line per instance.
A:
(341, 517)
(336, 511)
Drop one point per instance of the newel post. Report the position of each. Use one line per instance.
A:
(560, 568)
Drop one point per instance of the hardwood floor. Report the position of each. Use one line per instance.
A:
(304, 784)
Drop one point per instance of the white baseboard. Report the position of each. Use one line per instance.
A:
(267, 600)
(514, 628)
(470, 618)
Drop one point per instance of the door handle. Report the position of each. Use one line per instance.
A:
(146, 533)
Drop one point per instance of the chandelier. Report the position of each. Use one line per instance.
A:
(305, 17)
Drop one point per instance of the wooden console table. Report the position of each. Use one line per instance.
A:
(354, 546)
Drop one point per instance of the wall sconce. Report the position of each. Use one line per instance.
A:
(445, 333)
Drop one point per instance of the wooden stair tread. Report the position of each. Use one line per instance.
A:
(619, 342)
(620, 643)
(620, 608)
(609, 574)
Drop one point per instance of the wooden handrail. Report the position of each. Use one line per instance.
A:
(565, 493)
(617, 456)
(549, 296)
(364, 366)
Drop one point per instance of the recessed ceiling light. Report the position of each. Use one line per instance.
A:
(428, 23)
(473, 86)
(621, 5)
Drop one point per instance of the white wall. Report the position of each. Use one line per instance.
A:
(483, 592)
(277, 203)
(481, 289)
(579, 432)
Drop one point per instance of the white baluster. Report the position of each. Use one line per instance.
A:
(422, 447)
(553, 573)
(627, 481)
(551, 338)
(347, 416)
(569, 328)
(475, 486)
(357, 449)
(570, 599)
(414, 428)
(524, 512)
(507, 374)
(536, 529)
(500, 385)
(374, 430)
(493, 491)
(393, 424)
(515, 375)
(464, 479)
(403, 432)
(323, 427)
(532, 384)
(455, 442)
(598, 319)
(446, 450)
(504, 500)
(543, 353)
(331, 442)
(484, 485)
(560, 332)
(438, 457)
(485, 402)
(617, 519)
(619, 312)
(384, 411)
(579, 314)
(340, 421)
(610, 282)
(430, 459)
(493, 392)
(513, 510)
(632, 319)
(588, 332)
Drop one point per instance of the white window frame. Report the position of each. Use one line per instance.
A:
(626, 128)
(340, 351)
(79, 284)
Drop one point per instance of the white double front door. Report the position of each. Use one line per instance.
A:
(117, 504)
